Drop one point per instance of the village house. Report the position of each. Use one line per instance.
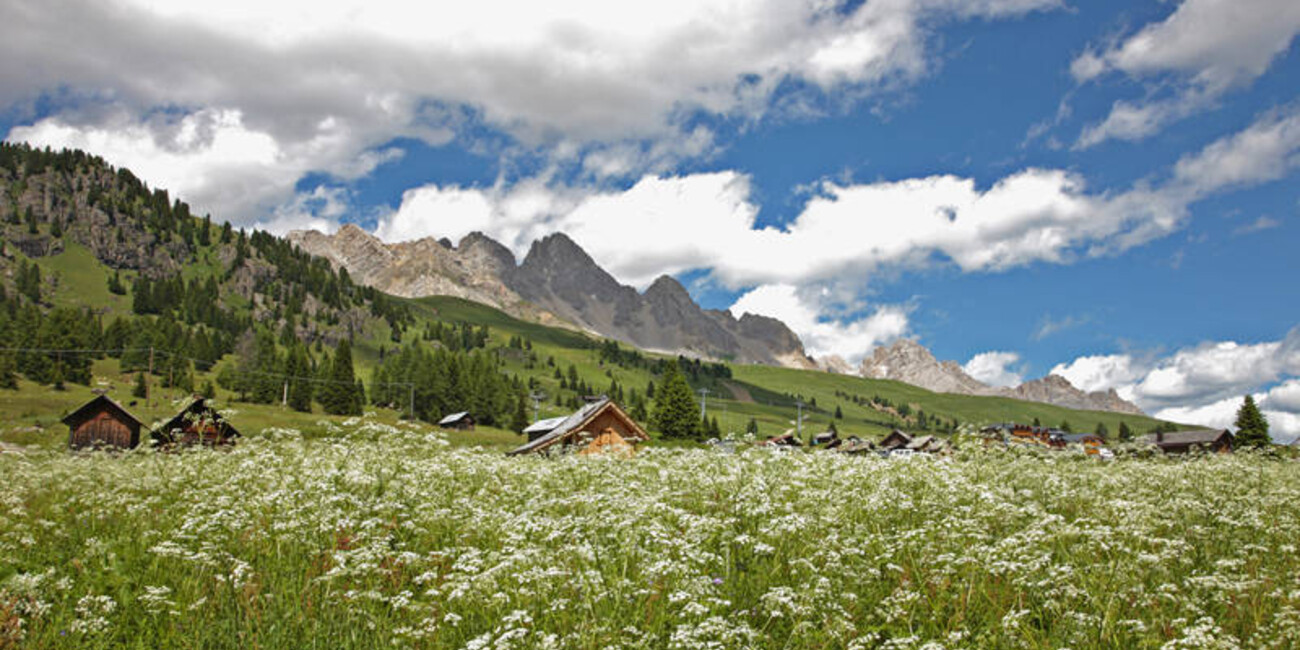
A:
(461, 421)
(787, 439)
(856, 445)
(599, 426)
(196, 424)
(896, 439)
(102, 423)
(1181, 442)
(826, 439)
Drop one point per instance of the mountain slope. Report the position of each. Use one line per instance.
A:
(910, 362)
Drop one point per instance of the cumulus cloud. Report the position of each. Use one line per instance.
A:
(1202, 50)
(994, 368)
(802, 311)
(1203, 384)
(320, 84)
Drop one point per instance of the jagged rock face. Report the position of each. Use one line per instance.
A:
(557, 280)
(910, 362)
(1055, 389)
(834, 363)
(424, 267)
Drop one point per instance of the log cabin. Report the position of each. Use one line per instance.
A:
(196, 424)
(102, 423)
(590, 424)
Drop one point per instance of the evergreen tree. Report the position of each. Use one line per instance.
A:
(752, 426)
(839, 415)
(1102, 430)
(1252, 426)
(1065, 426)
(209, 391)
(8, 372)
(520, 420)
(339, 395)
(141, 389)
(298, 368)
(1037, 422)
(676, 413)
(1125, 433)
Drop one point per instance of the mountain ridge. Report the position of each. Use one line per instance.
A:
(910, 362)
(556, 282)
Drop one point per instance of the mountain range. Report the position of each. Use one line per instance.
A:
(558, 283)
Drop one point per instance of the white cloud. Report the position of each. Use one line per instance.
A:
(316, 85)
(211, 158)
(802, 311)
(993, 368)
(1203, 384)
(1207, 47)
(1049, 326)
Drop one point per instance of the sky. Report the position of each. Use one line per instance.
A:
(1106, 190)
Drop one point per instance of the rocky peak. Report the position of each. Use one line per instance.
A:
(667, 289)
(478, 246)
(910, 362)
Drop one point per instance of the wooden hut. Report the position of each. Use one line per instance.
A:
(1181, 442)
(896, 439)
(786, 439)
(196, 424)
(462, 421)
(100, 423)
(590, 425)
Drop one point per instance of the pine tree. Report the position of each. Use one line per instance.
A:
(521, 413)
(839, 415)
(1125, 433)
(339, 396)
(1102, 430)
(752, 426)
(1252, 426)
(676, 413)
(141, 386)
(1065, 426)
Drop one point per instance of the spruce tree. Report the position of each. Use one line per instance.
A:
(1252, 426)
(141, 386)
(752, 426)
(339, 396)
(1102, 430)
(676, 413)
(1125, 433)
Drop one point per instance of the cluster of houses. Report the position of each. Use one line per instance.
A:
(600, 426)
(102, 423)
(897, 443)
(1175, 442)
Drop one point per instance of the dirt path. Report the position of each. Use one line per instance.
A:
(738, 393)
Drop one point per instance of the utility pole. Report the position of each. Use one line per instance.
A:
(148, 378)
(284, 395)
(704, 400)
(798, 420)
(537, 397)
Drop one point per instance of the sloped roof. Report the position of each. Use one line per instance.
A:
(100, 402)
(575, 422)
(198, 405)
(1081, 437)
(453, 418)
(542, 426)
(919, 444)
(1180, 438)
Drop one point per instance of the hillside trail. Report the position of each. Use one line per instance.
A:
(738, 393)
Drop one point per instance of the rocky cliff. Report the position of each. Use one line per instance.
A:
(910, 362)
(557, 280)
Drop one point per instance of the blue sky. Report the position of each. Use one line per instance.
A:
(1106, 190)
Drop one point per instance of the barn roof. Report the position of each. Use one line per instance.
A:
(1180, 438)
(454, 418)
(542, 426)
(198, 405)
(575, 422)
(100, 403)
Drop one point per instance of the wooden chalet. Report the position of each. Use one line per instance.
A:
(599, 426)
(1181, 442)
(827, 439)
(783, 440)
(1091, 442)
(462, 421)
(896, 439)
(102, 423)
(856, 445)
(196, 424)
(1025, 434)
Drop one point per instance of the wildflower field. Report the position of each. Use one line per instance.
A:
(387, 537)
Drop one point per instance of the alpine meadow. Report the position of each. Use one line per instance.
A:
(807, 325)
